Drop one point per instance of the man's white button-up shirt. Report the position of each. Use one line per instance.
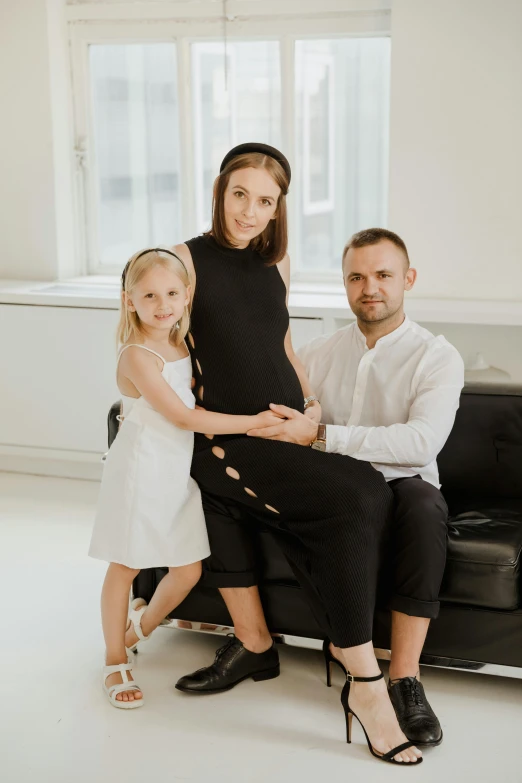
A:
(393, 405)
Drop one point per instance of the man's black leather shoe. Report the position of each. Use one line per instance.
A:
(233, 664)
(416, 717)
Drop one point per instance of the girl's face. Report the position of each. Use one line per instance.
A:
(250, 204)
(159, 298)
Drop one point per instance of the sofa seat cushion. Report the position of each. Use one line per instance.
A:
(484, 563)
(484, 556)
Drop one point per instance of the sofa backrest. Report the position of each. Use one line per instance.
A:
(483, 454)
(112, 422)
(482, 457)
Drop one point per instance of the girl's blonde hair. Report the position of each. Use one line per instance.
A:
(129, 326)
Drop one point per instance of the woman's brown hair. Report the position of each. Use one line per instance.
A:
(272, 243)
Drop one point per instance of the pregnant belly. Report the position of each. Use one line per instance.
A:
(250, 398)
(246, 381)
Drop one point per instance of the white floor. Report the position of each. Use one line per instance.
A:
(55, 724)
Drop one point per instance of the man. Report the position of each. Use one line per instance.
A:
(389, 391)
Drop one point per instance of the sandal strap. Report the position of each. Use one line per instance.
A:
(351, 678)
(122, 687)
(120, 668)
(139, 633)
(398, 749)
(135, 617)
(126, 685)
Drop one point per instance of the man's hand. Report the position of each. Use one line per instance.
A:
(296, 428)
(314, 412)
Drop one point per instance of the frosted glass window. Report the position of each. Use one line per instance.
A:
(136, 139)
(236, 98)
(342, 127)
(339, 151)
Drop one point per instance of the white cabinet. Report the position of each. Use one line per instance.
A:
(57, 377)
(58, 382)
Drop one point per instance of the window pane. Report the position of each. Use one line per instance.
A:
(342, 110)
(135, 108)
(232, 105)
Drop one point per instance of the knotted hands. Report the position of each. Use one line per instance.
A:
(295, 427)
(286, 424)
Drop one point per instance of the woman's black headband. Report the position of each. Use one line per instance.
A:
(264, 149)
(143, 253)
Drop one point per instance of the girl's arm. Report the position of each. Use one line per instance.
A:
(313, 411)
(143, 370)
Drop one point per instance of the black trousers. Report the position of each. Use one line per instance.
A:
(413, 556)
(413, 552)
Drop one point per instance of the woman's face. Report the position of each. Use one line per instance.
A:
(250, 204)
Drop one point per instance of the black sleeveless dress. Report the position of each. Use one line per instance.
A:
(329, 509)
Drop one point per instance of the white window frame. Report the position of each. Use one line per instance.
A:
(184, 24)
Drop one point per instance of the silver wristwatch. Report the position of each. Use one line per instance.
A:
(309, 400)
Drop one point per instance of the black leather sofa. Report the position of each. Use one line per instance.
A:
(480, 623)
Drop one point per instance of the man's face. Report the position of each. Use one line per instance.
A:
(375, 278)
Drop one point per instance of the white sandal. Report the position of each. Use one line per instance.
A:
(126, 685)
(137, 608)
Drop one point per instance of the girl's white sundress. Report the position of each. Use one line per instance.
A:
(149, 510)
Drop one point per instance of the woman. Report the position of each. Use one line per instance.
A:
(330, 509)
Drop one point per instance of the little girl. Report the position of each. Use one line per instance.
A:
(150, 511)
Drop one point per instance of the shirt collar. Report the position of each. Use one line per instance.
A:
(388, 339)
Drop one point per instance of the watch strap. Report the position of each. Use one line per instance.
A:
(319, 442)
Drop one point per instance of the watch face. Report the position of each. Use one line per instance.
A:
(319, 445)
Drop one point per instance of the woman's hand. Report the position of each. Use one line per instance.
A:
(314, 412)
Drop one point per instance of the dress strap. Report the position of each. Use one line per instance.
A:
(137, 345)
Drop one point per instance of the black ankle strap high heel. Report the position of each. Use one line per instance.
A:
(348, 712)
(328, 660)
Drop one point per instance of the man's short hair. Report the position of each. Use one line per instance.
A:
(372, 236)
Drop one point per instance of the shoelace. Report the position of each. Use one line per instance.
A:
(415, 696)
(222, 650)
(410, 687)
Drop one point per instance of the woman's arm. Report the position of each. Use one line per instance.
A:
(313, 411)
(143, 370)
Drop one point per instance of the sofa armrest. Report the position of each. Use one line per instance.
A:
(113, 423)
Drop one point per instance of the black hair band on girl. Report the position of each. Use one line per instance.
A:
(263, 149)
(143, 253)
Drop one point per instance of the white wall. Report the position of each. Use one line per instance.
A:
(34, 191)
(456, 149)
(455, 152)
